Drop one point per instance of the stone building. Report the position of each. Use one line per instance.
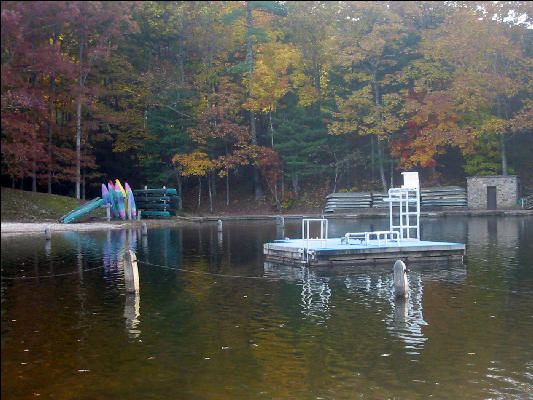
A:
(492, 192)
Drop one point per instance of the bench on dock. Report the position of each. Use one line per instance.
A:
(367, 236)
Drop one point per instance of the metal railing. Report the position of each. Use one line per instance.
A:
(306, 234)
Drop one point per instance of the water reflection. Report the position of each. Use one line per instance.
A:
(365, 285)
(115, 244)
(132, 313)
(310, 333)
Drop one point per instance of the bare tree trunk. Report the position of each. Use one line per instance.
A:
(295, 185)
(503, 154)
(178, 179)
(199, 190)
(227, 175)
(213, 184)
(381, 168)
(372, 157)
(377, 97)
(227, 187)
(271, 128)
(83, 184)
(78, 124)
(258, 193)
(50, 110)
(282, 185)
(210, 194)
(34, 176)
(391, 173)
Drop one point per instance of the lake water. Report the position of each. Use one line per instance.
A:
(213, 321)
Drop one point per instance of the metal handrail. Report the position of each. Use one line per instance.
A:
(306, 232)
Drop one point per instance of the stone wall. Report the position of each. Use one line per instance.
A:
(506, 191)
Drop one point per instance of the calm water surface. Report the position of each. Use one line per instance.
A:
(213, 321)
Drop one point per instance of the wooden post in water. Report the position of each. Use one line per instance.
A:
(47, 233)
(131, 272)
(401, 288)
(219, 224)
(280, 220)
(144, 230)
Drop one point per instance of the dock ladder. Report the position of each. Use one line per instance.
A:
(323, 239)
(407, 200)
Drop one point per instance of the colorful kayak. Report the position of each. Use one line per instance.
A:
(105, 194)
(112, 198)
(131, 201)
(119, 185)
(120, 202)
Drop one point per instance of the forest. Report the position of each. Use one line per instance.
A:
(262, 99)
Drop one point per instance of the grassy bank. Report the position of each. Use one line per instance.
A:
(20, 205)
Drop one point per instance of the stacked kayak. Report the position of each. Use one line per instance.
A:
(120, 200)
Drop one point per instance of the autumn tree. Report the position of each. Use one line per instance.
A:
(96, 26)
(219, 128)
(490, 68)
(32, 65)
(372, 42)
(252, 32)
(195, 164)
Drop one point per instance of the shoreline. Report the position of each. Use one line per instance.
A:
(9, 228)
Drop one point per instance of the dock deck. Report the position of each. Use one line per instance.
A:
(322, 252)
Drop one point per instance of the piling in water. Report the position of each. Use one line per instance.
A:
(131, 272)
(401, 288)
(144, 229)
(47, 233)
(219, 225)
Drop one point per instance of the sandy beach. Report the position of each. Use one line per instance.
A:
(17, 228)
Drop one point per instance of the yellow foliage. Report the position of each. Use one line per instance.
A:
(195, 164)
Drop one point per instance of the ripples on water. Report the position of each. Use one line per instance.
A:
(202, 328)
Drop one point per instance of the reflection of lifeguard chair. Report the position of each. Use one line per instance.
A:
(407, 199)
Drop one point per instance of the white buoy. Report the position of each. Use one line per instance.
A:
(131, 272)
(401, 287)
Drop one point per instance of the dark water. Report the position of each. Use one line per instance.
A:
(236, 328)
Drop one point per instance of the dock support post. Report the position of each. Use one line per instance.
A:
(131, 272)
(280, 220)
(401, 288)
(47, 234)
(219, 225)
(144, 230)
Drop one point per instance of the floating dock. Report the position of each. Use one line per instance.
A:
(333, 251)
(400, 242)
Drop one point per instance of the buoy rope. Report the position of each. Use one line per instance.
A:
(13, 278)
(209, 273)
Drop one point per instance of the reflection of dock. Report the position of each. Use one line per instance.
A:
(323, 288)
(297, 251)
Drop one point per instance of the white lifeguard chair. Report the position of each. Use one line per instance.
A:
(407, 199)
